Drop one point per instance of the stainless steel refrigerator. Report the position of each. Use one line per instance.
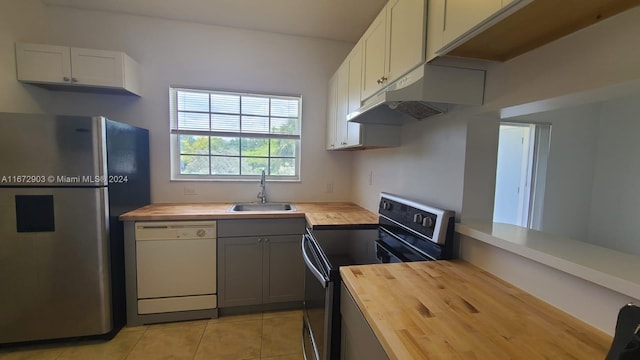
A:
(64, 180)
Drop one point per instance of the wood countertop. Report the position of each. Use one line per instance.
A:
(454, 310)
(318, 215)
(337, 215)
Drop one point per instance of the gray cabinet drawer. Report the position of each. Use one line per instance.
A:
(260, 227)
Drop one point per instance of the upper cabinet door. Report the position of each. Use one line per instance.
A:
(374, 43)
(341, 110)
(354, 94)
(435, 27)
(43, 63)
(332, 107)
(462, 15)
(97, 67)
(407, 25)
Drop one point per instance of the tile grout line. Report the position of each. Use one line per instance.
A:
(261, 333)
(137, 342)
(195, 353)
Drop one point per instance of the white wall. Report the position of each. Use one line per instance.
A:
(428, 167)
(615, 207)
(184, 54)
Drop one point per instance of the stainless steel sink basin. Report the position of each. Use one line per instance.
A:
(262, 207)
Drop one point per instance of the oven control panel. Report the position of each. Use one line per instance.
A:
(430, 222)
(415, 219)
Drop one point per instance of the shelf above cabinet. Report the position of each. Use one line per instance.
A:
(77, 69)
(515, 30)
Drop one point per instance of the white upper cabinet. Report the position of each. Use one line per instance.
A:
(43, 63)
(341, 107)
(344, 97)
(97, 67)
(393, 44)
(332, 112)
(354, 94)
(59, 67)
(344, 93)
(406, 23)
(374, 44)
(332, 103)
(462, 15)
(435, 27)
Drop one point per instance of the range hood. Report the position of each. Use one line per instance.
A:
(426, 91)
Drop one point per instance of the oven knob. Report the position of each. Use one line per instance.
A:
(200, 233)
(427, 222)
(417, 218)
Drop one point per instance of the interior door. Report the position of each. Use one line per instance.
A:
(512, 197)
(54, 263)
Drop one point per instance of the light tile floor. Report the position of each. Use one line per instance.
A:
(263, 336)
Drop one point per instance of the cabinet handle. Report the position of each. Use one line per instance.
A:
(74, 79)
(382, 80)
(266, 240)
(65, 78)
(444, 20)
(259, 240)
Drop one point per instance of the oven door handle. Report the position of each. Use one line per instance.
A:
(321, 278)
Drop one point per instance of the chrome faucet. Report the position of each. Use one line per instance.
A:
(262, 195)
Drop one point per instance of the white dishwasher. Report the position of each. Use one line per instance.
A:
(176, 266)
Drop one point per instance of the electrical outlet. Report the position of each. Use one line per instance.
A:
(329, 188)
(188, 190)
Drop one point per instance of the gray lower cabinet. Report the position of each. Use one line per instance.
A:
(263, 267)
(358, 340)
(239, 271)
(283, 268)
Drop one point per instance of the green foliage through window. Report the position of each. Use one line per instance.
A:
(221, 135)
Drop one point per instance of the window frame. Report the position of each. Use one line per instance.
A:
(174, 135)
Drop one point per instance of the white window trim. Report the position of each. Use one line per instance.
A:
(175, 150)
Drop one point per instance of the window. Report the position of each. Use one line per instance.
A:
(220, 135)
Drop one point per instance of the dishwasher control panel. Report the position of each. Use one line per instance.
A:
(175, 230)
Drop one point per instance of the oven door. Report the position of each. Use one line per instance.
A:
(318, 294)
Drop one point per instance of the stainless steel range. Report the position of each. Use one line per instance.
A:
(407, 231)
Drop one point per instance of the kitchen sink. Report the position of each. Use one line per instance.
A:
(262, 207)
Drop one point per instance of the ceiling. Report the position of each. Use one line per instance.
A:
(344, 20)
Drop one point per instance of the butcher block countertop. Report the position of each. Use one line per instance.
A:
(454, 310)
(318, 215)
